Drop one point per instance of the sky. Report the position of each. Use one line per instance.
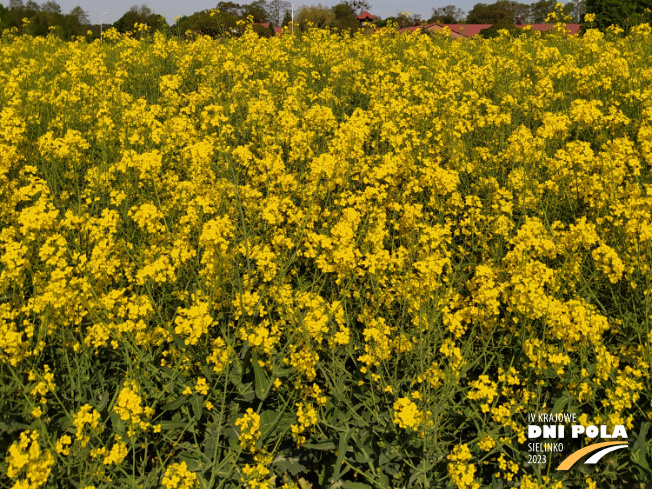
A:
(172, 8)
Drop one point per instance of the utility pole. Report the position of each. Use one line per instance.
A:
(105, 13)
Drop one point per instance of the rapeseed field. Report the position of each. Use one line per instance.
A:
(324, 260)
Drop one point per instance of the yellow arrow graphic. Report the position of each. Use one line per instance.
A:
(568, 462)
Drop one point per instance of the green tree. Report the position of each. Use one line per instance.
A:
(75, 23)
(257, 10)
(7, 18)
(539, 10)
(139, 14)
(276, 10)
(404, 20)
(503, 24)
(81, 15)
(576, 9)
(379, 22)
(449, 14)
(317, 15)
(287, 19)
(522, 11)
(32, 7)
(483, 13)
(51, 6)
(345, 17)
(624, 13)
(205, 24)
(43, 17)
(358, 6)
(231, 8)
(263, 31)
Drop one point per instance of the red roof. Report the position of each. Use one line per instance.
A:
(430, 27)
(366, 16)
(570, 28)
(457, 30)
(410, 29)
(470, 30)
(467, 30)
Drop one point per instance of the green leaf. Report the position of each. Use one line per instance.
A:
(642, 434)
(167, 371)
(261, 384)
(341, 451)
(391, 469)
(273, 422)
(280, 423)
(290, 465)
(236, 372)
(174, 405)
(13, 427)
(327, 445)
(244, 349)
(231, 433)
(280, 372)
(225, 470)
(210, 440)
(197, 404)
(383, 480)
(179, 342)
(104, 400)
(322, 476)
(195, 461)
(117, 423)
(355, 485)
(417, 475)
(560, 403)
(549, 373)
(246, 391)
(172, 425)
(128, 481)
(362, 458)
(208, 372)
(638, 456)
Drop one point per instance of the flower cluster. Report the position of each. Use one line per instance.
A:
(415, 237)
(249, 425)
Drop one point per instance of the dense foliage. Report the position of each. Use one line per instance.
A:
(625, 13)
(40, 20)
(140, 15)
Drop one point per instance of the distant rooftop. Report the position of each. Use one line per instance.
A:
(366, 16)
(470, 30)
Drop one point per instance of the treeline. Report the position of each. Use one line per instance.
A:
(624, 13)
(501, 11)
(277, 13)
(229, 18)
(38, 20)
(534, 13)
